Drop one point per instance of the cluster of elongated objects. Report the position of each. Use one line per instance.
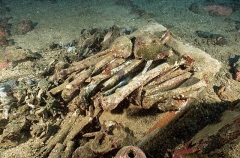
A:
(108, 77)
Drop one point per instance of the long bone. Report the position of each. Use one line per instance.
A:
(111, 102)
(121, 73)
(78, 66)
(82, 100)
(103, 63)
(100, 77)
(117, 65)
(120, 48)
(73, 86)
(169, 84)
(168, 75)
(59, 88)
(149, 101)
(120, 84)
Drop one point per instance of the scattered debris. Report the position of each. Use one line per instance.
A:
(217, 39)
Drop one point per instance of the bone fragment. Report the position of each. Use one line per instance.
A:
(80, 123)
(117, 65)
(169, 84)
(108, 35)
(110, 102)
(61, 134)
(102, 63)
(59, 88)
(121, 73)
(148, 64)
(57, 150)
(148, 101)
(168, 75)
(75, 84)
(69, 149)
(120, 84)
(78, 66)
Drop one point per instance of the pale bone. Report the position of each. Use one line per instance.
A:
(121, 73)
(110, 102)
(148, 101)
(169, 84)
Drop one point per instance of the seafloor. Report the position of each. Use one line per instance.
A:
(63, 21)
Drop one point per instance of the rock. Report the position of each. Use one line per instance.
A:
(216, 9)
(236, 68)
(24, 26)
(197, 8)
(237, 26)
(3, 39)
(4, 29)
(216, 39)
(15, 54)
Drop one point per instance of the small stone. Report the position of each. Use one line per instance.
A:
(228, 75)
(215, 9)
(236, 68)
(24, 26)
(71, 49)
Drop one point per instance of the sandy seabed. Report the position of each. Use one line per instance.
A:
(63, 21)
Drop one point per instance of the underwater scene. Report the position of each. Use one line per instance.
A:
(119, 78)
